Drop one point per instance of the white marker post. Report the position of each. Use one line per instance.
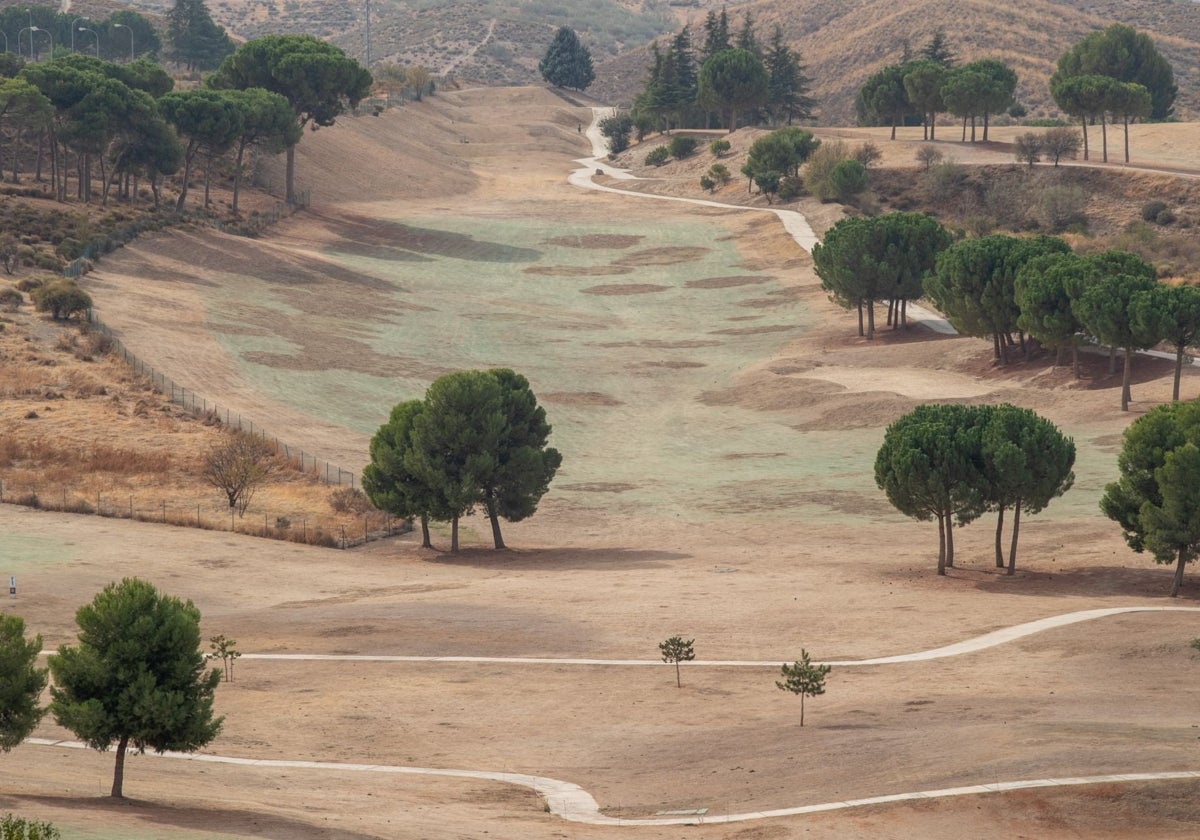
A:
(12, 586)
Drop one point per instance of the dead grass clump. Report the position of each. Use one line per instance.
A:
(350, 500)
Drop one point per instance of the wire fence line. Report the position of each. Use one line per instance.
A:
(201, 407)
(289, 525)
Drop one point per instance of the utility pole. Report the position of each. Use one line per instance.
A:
(368, 34)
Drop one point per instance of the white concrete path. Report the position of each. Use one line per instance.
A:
(571, 802)
(987, 640)
(794, 223)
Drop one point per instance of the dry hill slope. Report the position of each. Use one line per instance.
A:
(844, 43)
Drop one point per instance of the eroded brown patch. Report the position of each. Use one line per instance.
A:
(578, 270)
(594, 398)
(625, 289)
(753, 330)
(596, 240)
(669, 255)
(599, 487)
(727, 282)
(663, 344)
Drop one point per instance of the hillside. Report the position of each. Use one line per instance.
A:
(844, 43)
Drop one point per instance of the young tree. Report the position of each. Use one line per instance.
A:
(928, 466)
(937, 50)
(137, 675)
(716, 34)
(1028, 148)
(783, 152)
(316, 78)
(1027, 462)
(803, 678)
(617, 129)
(733, 81)
(1104, 308)
(21, 682)
(676, 650)
(1060, 142)
(1156, 500)
(225, 650)
(238, 466)
(567, 62)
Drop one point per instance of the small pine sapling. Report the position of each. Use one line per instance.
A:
(225, 650)
(803, 678)
(676, 649)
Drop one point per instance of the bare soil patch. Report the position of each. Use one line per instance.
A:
(625, 289)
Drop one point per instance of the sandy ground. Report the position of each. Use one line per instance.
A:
(771, 567)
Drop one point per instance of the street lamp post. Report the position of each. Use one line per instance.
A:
(19, 34)
(5, 37)
(95, 35)
(33, 29)
(123, 26)
(74, 23)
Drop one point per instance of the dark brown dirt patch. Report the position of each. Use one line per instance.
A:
(663, 256)
(670, 364)
(596, 240)
(578, 270)
(580, 398)
(625, 289)
(753, 330)
(663, 344)
(599, 487)
(726, 282)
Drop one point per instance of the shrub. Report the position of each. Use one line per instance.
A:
(942, 181)
(707, 183)
(1028, 148)
(719, 147)
(61, 299)
(682, 147)
(350, 500)
(1151, 209)
(9, 248)
(847, 179)
(868, 153)
(791, 188)
(617, 129)
(1166, 217)
(10, 299)
(657, 156)
(1062, 207)
(820, 165)
(928, 155)
(719, 173)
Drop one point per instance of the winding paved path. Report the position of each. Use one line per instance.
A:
(571, 802)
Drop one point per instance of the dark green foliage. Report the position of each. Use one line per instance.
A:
(923, 81)
(719, 147)
(211, 121)
(1087, 98)
(1104, 308)
(1125, 55)
(883, 99)
(617, 129)
(938, 51)
(195, 40)
(567, 62)
(783, 152)
(19, 828)
(393, 479)
(1026, 462)
(866, 259)
(1172, 313)
(676, 650)
(1156, 500)
(1045, 289)
(657, 156)
(974, 285)
(787, 86)
(707, 183)
(267, 123)
(137, 676)
(1151, 209)
(316, 78)
(716, 34)
(804, 679)
(929, 468)
(681, 147)
(847, 179)
(61, 299)
(21, 682)
(733, 81)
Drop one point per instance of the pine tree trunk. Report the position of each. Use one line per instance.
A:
(237, 177)
(1012, 549)
(1178, 581)
(290, 192)
(1126, 120)
(860, 318)
(425, 542)
(119, 768)
(1000, 538)
(941, 567)
(870, 320)
(454, 534)
(1083, 121)
(1178, 371)
(801, 709)
(495, 518)
(1125, 378)
(1104, 138)
(950, 541)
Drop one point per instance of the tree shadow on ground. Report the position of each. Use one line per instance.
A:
(565, 559)
(1154, 581)
(182, 818)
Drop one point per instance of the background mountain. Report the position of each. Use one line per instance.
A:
(842, 43)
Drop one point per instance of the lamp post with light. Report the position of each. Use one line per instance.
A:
(123, 26)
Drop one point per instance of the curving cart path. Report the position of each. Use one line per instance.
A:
(571, 802)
